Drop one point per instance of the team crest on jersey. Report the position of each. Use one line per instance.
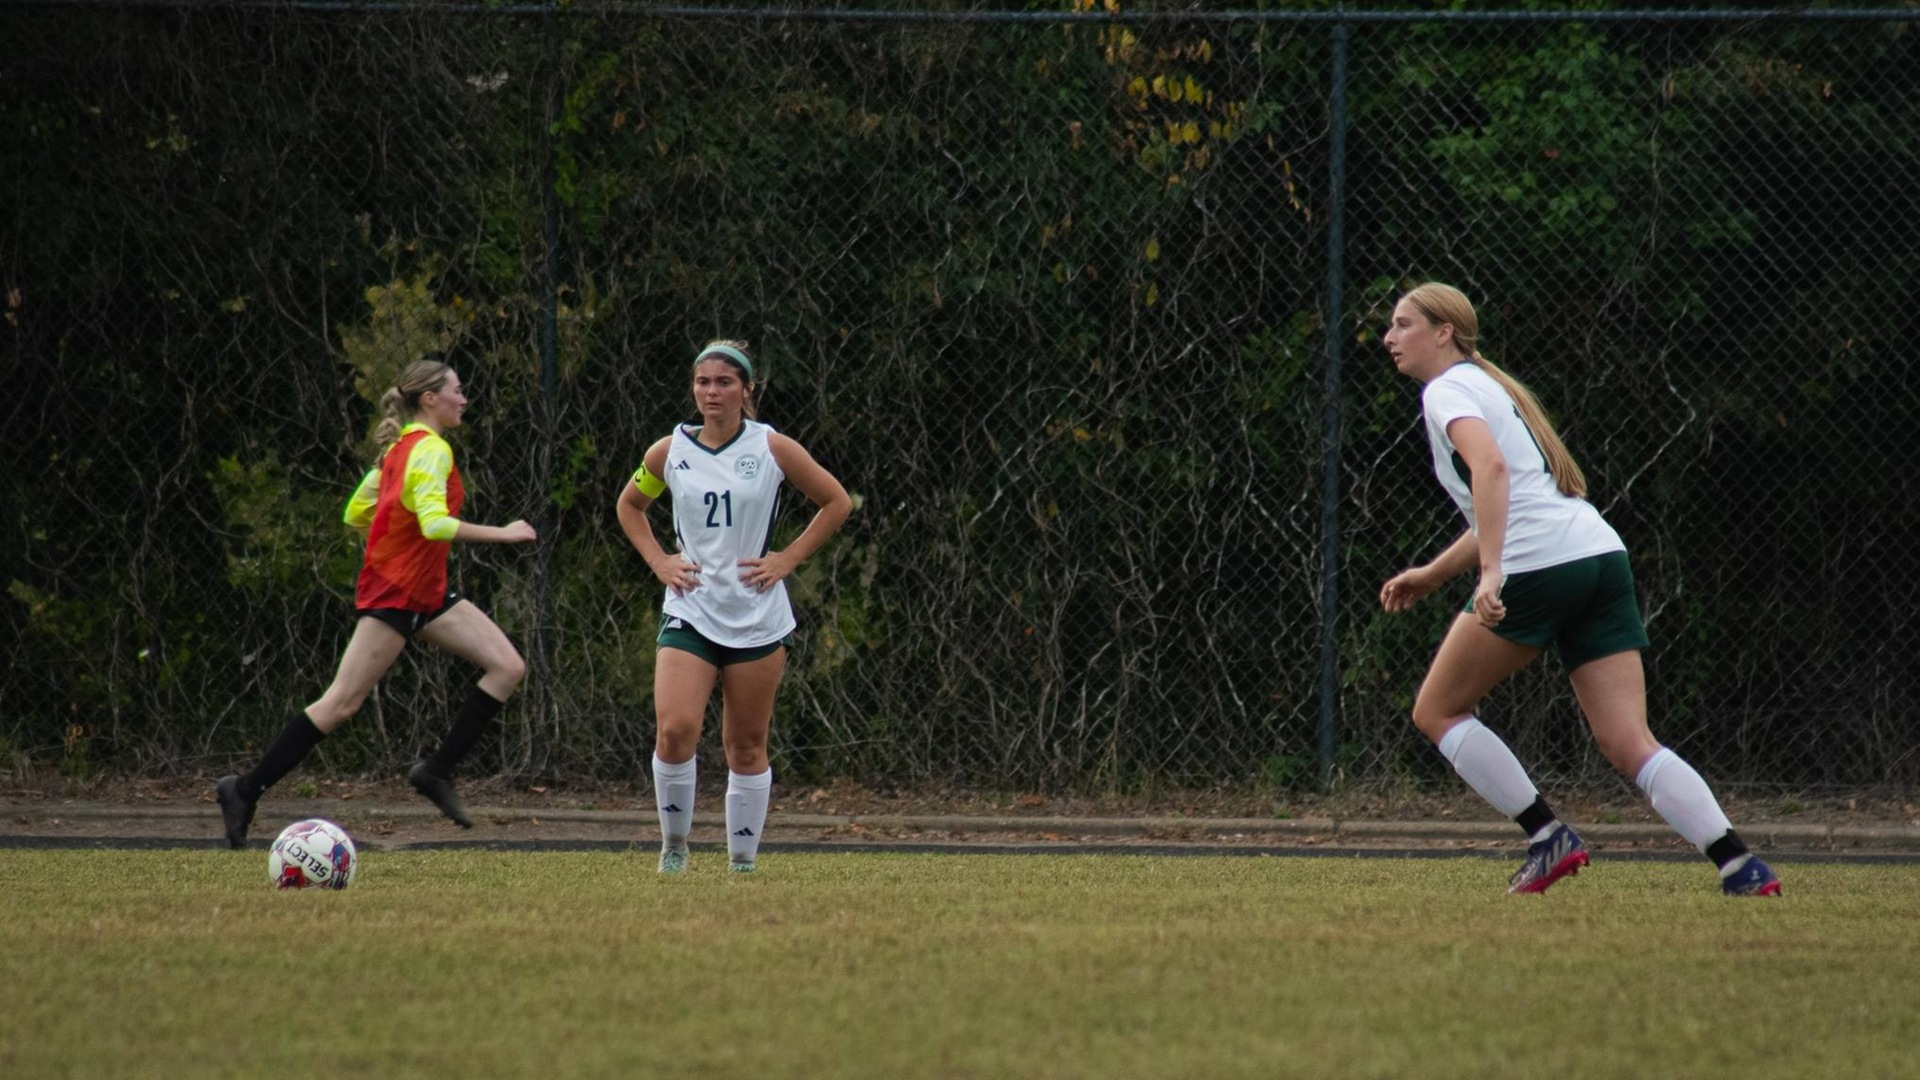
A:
(746, 468)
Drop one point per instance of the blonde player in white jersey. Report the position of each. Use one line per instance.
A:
(1552, 572)
(726, 616)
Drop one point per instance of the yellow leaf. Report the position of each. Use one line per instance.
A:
(1153, 294)
(1153, 249)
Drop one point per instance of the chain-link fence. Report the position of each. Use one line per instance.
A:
(1047, 291)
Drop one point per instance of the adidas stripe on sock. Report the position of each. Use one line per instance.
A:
(746, 813)
(673, 796)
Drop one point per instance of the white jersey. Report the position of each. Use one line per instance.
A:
(723, 506)
(1544, 527)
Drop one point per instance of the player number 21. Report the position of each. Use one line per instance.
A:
(719, 503)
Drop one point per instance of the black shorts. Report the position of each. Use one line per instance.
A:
(408, 622)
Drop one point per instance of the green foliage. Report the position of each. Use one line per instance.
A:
(1047, 297)
(286, 536)
(406, 323)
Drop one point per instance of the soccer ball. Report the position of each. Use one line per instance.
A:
(312, 854)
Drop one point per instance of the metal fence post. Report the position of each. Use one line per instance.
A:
(542, 699)
(1330, 492)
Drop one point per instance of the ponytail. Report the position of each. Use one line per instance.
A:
(1446, 305)
(1566, 473)
(402, 400)
(393, 417)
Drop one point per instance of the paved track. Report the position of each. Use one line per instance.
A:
(410, 825)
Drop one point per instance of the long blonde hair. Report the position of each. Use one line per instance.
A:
(402, 400)
(1444, 304)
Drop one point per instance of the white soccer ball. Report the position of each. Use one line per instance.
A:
(312, 854)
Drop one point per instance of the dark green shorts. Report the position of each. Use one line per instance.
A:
(1585, 609)
(677, 634)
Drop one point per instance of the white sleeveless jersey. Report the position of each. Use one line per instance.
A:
(1544, 527)
(723, 506)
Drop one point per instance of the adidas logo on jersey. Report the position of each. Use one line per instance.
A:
(682, 464)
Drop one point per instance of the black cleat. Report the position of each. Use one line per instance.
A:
(439, 789)
(236, 810)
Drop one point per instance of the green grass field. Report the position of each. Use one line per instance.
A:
(480, 964)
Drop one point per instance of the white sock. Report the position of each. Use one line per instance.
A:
(1488, 767)
(1679, 795)
(673, 794)
(746, 813)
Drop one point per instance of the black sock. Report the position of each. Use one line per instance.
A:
(469, 723)
(1726, 849)
(295, 741)
(1535, 817)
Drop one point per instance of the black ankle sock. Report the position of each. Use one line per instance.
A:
(1535, 817)
(296, 740)
(1726, 849)
(469, 724)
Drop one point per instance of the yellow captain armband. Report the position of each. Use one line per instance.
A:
(650, 485)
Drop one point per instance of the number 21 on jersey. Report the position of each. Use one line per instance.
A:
(719, 509)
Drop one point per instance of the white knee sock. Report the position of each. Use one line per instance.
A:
(1488, 767)
(1679, 795)
(746, 813)
(673, 794)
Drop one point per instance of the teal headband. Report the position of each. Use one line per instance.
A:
(730, 353)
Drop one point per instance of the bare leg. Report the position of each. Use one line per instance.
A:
(1613, 693)
(466, 632)
(747, 692)
(682, 685)
(369, 655)
(1472, 660)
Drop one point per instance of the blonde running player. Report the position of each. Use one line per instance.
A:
(1552, 572)
(408, 506)
(726, 616)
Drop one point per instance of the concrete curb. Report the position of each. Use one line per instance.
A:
(135, 821)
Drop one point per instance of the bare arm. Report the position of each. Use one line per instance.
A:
(1479, 547)
(1412, 585)
(1474, 441)
(631, 507)
(517, 532)
(428, 466)
(825, 492)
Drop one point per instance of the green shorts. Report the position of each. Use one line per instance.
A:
(1585, 609)
(678, 634)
